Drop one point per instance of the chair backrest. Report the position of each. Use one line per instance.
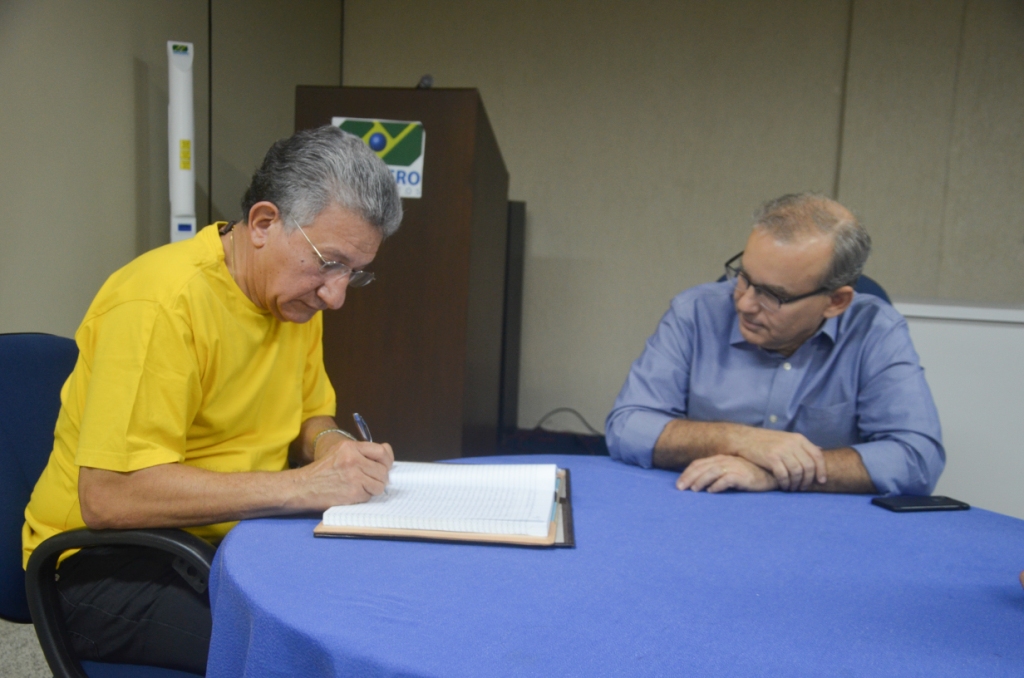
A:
(866, 285)
(33, 367)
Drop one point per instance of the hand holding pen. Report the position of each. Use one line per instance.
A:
(344, 470)
(364, 432)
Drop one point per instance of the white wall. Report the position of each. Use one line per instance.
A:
(974, 362)
(640, 135)
(83, 147)
(643, 134)
(83, 130)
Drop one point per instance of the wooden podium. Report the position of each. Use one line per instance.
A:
(419, 352)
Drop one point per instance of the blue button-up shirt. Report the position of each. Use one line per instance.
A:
(856, 383)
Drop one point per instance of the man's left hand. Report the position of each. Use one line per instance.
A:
(725, 472)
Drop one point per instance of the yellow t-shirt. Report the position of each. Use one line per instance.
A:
(176, 364)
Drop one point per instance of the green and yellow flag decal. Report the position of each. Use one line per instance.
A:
(400, 144)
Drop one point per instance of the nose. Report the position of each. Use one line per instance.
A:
(332, 292)
(746, 301)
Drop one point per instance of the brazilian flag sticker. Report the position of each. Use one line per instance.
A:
(399, 144)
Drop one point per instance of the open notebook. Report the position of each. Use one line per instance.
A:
(525, 504)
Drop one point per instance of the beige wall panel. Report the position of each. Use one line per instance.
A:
(640, 135)
(83, 138)
(262, 51)
(898, 123)
(983, 253)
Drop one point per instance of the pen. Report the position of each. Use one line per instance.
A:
(364, 431)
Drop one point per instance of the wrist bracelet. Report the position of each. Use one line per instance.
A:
(330, 430)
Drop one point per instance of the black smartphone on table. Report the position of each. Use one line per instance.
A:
(913, 504)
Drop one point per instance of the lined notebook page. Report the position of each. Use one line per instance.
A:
(486, 498)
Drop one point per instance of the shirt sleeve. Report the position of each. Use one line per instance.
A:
(897, 418)
(318, 397)
(655, 391)
(143, 390)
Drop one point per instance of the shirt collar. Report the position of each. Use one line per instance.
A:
(829, 328)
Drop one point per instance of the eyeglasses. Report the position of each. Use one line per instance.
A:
(770, 301)
(335, 270)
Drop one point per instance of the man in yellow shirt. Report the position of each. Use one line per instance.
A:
(199, 382)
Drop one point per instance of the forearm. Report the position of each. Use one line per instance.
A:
(846, 473)
(301, 451)
(683, 441)
(177, 495)
(906, 463)
(796, 462)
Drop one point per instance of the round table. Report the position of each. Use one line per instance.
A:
(661, 582)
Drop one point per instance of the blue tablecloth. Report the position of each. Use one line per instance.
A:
(661, 582)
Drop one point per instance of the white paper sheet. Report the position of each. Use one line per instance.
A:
(486, 498)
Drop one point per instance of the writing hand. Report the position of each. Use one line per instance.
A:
(725, 472)
(348, 472)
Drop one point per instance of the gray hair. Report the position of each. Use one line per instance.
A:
(313, 169)
(788, 217)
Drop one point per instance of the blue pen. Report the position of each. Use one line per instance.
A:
(364, 431)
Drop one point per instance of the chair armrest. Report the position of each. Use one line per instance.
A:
(41, 586)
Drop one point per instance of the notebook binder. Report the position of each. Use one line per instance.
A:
(561, 532)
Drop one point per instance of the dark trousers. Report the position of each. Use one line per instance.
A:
(128, 605)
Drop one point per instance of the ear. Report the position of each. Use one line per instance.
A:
(839, 301)
(262, 216)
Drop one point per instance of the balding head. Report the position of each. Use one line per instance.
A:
(799, 215)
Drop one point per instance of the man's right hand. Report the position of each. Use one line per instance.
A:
(725, 472)
(795, 461)
(179, 495)
(349, 472)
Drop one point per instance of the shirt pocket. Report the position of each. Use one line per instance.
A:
(828, 427)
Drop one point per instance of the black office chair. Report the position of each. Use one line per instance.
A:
(33, 367)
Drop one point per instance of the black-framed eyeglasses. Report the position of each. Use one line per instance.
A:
(335, 270)
(770, 301)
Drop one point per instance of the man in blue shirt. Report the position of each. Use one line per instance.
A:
(781, 377)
